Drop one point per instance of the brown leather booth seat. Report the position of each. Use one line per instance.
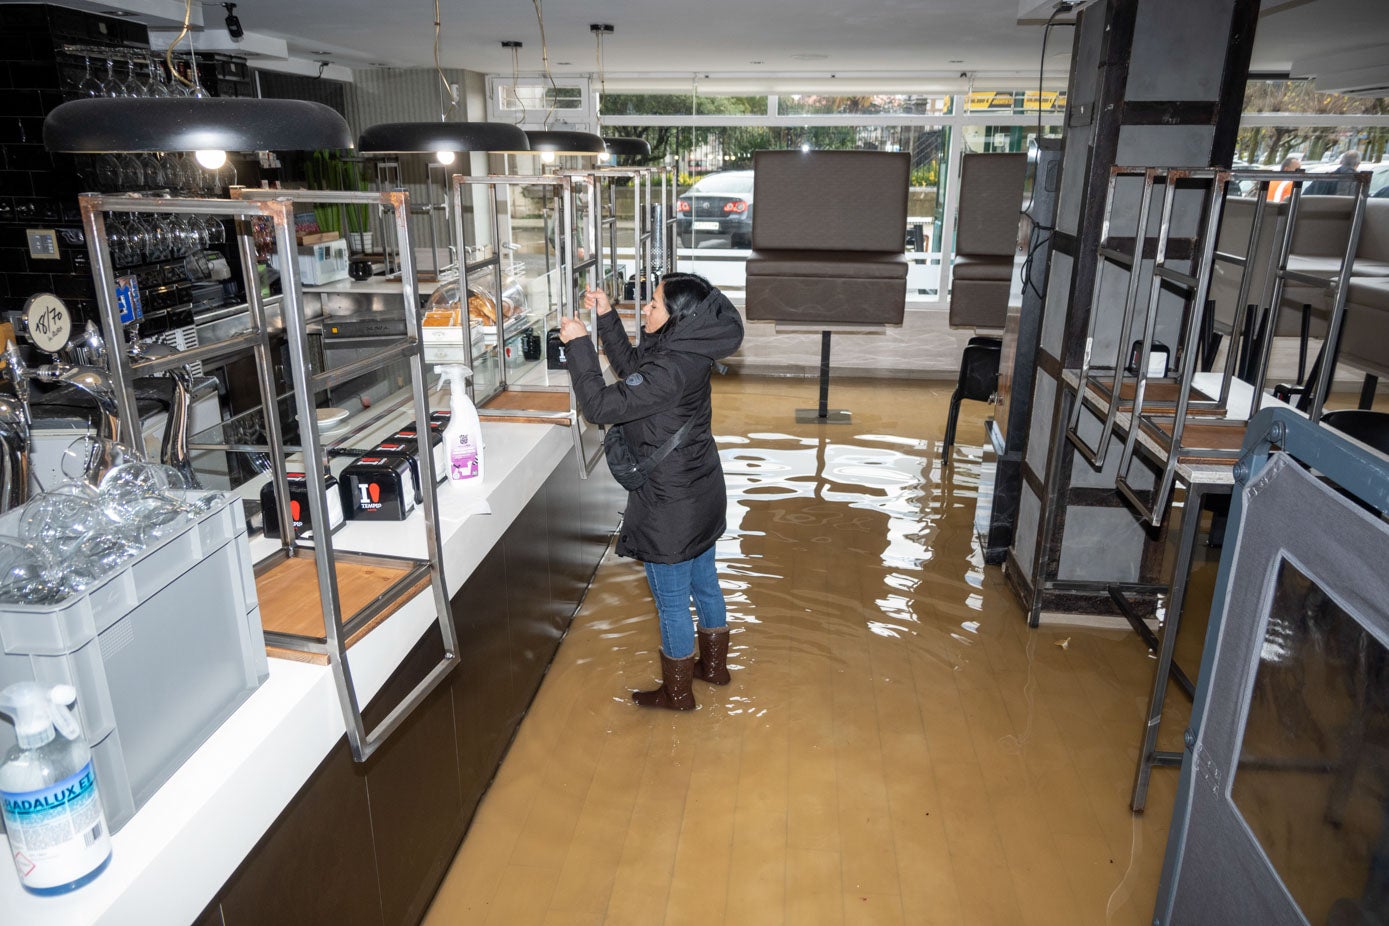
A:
(828, 237)
(986, 239)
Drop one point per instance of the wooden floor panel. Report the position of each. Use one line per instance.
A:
(896, 745)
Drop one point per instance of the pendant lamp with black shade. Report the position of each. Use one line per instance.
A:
(622, 146)
(134, 124)
(566, 142)
(443, 138)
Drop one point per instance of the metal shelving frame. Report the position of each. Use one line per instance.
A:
(651, 227)
(497, 189)
(278, 208)
(1157, 417)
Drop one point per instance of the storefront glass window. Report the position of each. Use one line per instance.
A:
(819, 104)
(1352, 123)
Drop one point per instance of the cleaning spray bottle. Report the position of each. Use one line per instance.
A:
(58, 834)
(463, 436)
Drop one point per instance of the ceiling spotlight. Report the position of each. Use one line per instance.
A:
(233, 22)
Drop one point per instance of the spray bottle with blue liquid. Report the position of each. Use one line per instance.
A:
(53, 817)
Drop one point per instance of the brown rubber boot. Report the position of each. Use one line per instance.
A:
(713, 656)
(677, 677)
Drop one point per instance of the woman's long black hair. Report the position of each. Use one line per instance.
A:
(683, 293)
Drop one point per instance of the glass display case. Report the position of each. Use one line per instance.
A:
(319, 591)
(536, 238)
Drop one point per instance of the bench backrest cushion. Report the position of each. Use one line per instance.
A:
(830, 200)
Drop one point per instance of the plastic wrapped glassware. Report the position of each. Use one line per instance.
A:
(136, 494)
(59, 521)
(28, 575)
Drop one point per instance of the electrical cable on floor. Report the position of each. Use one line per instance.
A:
(1135, 844)
(1018, 741)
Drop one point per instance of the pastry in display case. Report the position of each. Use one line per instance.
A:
(499, 324)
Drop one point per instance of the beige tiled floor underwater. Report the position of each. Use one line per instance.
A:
(896, 746)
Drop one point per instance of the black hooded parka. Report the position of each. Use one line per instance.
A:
(679, 512)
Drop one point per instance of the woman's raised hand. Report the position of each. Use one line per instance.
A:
(571, 328)
(596, 298)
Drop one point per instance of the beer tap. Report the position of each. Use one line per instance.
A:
(173, 448)
(96, 383)
(14, 434)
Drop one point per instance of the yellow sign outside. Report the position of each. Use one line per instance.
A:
(1007, 101)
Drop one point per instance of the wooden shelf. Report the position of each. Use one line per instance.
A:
(1158, 392)
(1201, 442)
(529, 406)
(370, 588)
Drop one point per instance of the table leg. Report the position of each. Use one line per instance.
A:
(1148, 756)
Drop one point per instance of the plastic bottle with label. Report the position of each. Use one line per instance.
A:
(463, 437)
(57, 829)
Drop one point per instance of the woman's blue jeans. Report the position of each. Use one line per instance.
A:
(673, 585)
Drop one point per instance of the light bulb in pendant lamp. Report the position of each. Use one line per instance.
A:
(211, 158)
(109, 125)
(445, 157)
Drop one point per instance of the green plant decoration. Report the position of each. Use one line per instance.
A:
(327, 170)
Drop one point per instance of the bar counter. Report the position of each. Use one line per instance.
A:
(175, 856)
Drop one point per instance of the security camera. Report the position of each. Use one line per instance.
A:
(233, 22)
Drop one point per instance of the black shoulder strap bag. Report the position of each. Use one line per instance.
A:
(630, 472)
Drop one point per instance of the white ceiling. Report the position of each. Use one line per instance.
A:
(862, 38)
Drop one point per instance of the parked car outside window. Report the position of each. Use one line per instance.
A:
(717, 206)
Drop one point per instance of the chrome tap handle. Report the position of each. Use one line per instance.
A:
(97, 384)
(94, 343)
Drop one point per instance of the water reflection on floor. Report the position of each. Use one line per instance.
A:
(896, 746)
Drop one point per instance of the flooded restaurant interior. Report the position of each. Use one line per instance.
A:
(966, 414)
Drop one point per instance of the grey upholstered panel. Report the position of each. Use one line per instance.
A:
(1374, 234)
(830, 200)
(1236, 223)
(815, 300)
(990, 200)
(1331, 266)
(1369, 292)
(978, 304)
(1322, 226)
(850, 265)
(1320, 233)
(972, 267)
(1365, 338)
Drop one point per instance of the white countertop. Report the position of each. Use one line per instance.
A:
(170, 860)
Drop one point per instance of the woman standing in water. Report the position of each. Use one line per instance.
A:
(674, 518)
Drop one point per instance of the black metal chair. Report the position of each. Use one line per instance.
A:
(1369, 427)
(978, 380)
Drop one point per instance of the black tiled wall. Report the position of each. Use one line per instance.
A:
(38, 189)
